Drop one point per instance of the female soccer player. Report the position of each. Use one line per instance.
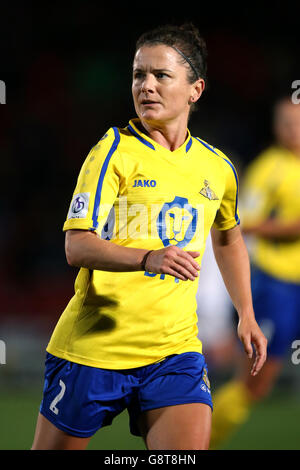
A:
(145, 201)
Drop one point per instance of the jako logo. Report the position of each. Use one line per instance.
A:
(144, 184)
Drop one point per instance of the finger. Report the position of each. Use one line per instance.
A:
(176, 274)
(258, 363)
(248, 346)
(261, 355)
(254, 369)
(186, 260)
(194, 254)
(189, 256)
(184, 263)
(180, 269)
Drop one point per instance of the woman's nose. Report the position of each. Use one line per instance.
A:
(148, 84)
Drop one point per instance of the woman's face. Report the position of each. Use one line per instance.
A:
(287, 124)
(160, 89)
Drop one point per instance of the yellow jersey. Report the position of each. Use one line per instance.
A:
(271, 189)
(136, 193)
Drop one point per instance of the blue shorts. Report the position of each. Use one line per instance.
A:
(80, 399)
(277, 311)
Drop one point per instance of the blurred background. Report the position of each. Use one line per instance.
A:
(67, 70)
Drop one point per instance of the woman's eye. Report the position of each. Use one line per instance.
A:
(161, 75)
(138, 75)
(141, 75)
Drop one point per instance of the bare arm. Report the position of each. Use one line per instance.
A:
(272, 228)
(233, 261)
(86, 249)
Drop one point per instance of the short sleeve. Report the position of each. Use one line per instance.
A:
(227, 216)
(261, 181)
(97, 186)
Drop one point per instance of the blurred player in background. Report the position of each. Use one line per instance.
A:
(270, 208)
(128, 338)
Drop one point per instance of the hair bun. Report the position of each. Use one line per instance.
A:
(189, 28)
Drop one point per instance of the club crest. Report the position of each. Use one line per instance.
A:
(207, 192)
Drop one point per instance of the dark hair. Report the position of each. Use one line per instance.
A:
(186, 40)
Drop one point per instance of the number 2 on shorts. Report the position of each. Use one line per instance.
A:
(58, 397)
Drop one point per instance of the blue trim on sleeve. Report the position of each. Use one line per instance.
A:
(102, 175)
(140, 138)
(237, 188)
(207, 146)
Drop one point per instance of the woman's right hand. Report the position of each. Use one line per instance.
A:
(175, 262)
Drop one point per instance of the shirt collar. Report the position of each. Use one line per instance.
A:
(144, 139)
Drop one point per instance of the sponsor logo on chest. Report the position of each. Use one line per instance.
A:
(144, 183)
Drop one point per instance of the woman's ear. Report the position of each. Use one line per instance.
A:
(198, 88)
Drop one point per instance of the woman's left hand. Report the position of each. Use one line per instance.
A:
(251, 335)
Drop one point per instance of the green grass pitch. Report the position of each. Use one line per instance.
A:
(273, 425)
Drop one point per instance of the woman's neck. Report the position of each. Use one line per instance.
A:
(170, 135)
